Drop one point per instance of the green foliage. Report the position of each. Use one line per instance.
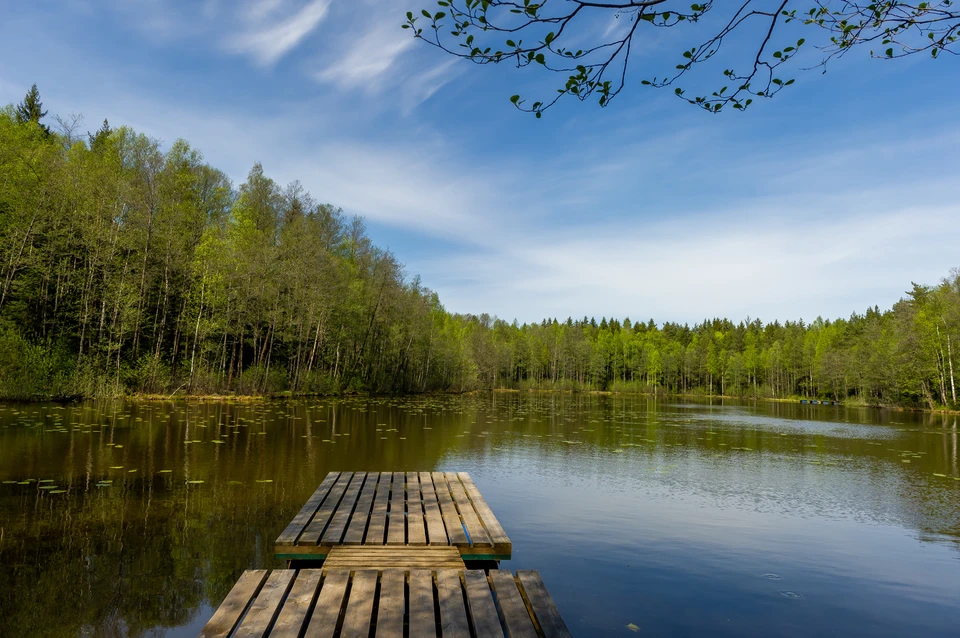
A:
(30, 111)
(756, 36)
(125, 268)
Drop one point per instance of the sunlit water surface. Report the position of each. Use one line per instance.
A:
(648, 516)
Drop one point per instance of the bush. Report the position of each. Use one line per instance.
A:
(29, 371)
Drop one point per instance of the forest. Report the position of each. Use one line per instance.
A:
(127, 267)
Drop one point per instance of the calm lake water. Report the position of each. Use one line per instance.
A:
(652, 516)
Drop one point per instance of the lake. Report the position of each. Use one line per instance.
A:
(654, 516)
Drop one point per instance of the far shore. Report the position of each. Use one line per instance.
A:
(253, 398)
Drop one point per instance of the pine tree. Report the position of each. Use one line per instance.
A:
(99, 139)
(31, 109)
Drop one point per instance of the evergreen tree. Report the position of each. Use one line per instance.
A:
(99, 139)
(31, 109)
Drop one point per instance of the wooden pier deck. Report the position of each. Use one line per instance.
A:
(387, 603)
(394, 509)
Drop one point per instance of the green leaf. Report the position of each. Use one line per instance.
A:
(514, 98)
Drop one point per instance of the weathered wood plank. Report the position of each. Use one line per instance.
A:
(313, 531)
(494, 529)
(476, 532)
(292, 532)
(265, 609)
(483, 611)
(377, 529)
(453, 613)
(359, 614)
(416, 532)
(469, 603)
(231, 609)
(540, 603)
(338, 524)
(326, 613)
(513, 611)
(396, 532)
(422, 618)
(436, 533)
(293, 615)
(361, 515)
(451, 518)
(387, 557)
(390, 610)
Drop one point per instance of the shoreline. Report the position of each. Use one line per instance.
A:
(253, 398)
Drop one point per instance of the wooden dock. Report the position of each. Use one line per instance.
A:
(393, 546)
(390, 603)
(394, 509)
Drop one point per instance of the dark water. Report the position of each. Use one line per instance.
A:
(655, 517)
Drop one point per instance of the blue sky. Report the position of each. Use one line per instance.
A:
(830, 198)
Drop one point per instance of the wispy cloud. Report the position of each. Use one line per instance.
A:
(268, 42)
(364, 57)
(377, 57)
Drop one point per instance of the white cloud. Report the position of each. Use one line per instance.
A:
(363, 58)
(719, 263)
(268, 42)
(377, 57)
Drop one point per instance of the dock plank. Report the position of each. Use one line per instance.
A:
(494, 529)
(540, 603)
(436, 532)
(513, 611)
(386, 557)
(483, 611)
(338, 523)
(377, 529)
(292, 532)
(361, 515)
(416, 532)
(422, 618)
(359, 615)
(389, 603)
(314, 530)
(451, 518)
(397, 518)
(453, 613)
(475, 530)
(391, 608)
(228, 614)
(326, 613)
(293, 614)
(265, 609)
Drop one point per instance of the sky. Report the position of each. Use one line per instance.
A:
(829, 199)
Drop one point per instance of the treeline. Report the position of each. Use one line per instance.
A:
(128, 268)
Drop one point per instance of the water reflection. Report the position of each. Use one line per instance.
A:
(132, 518)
